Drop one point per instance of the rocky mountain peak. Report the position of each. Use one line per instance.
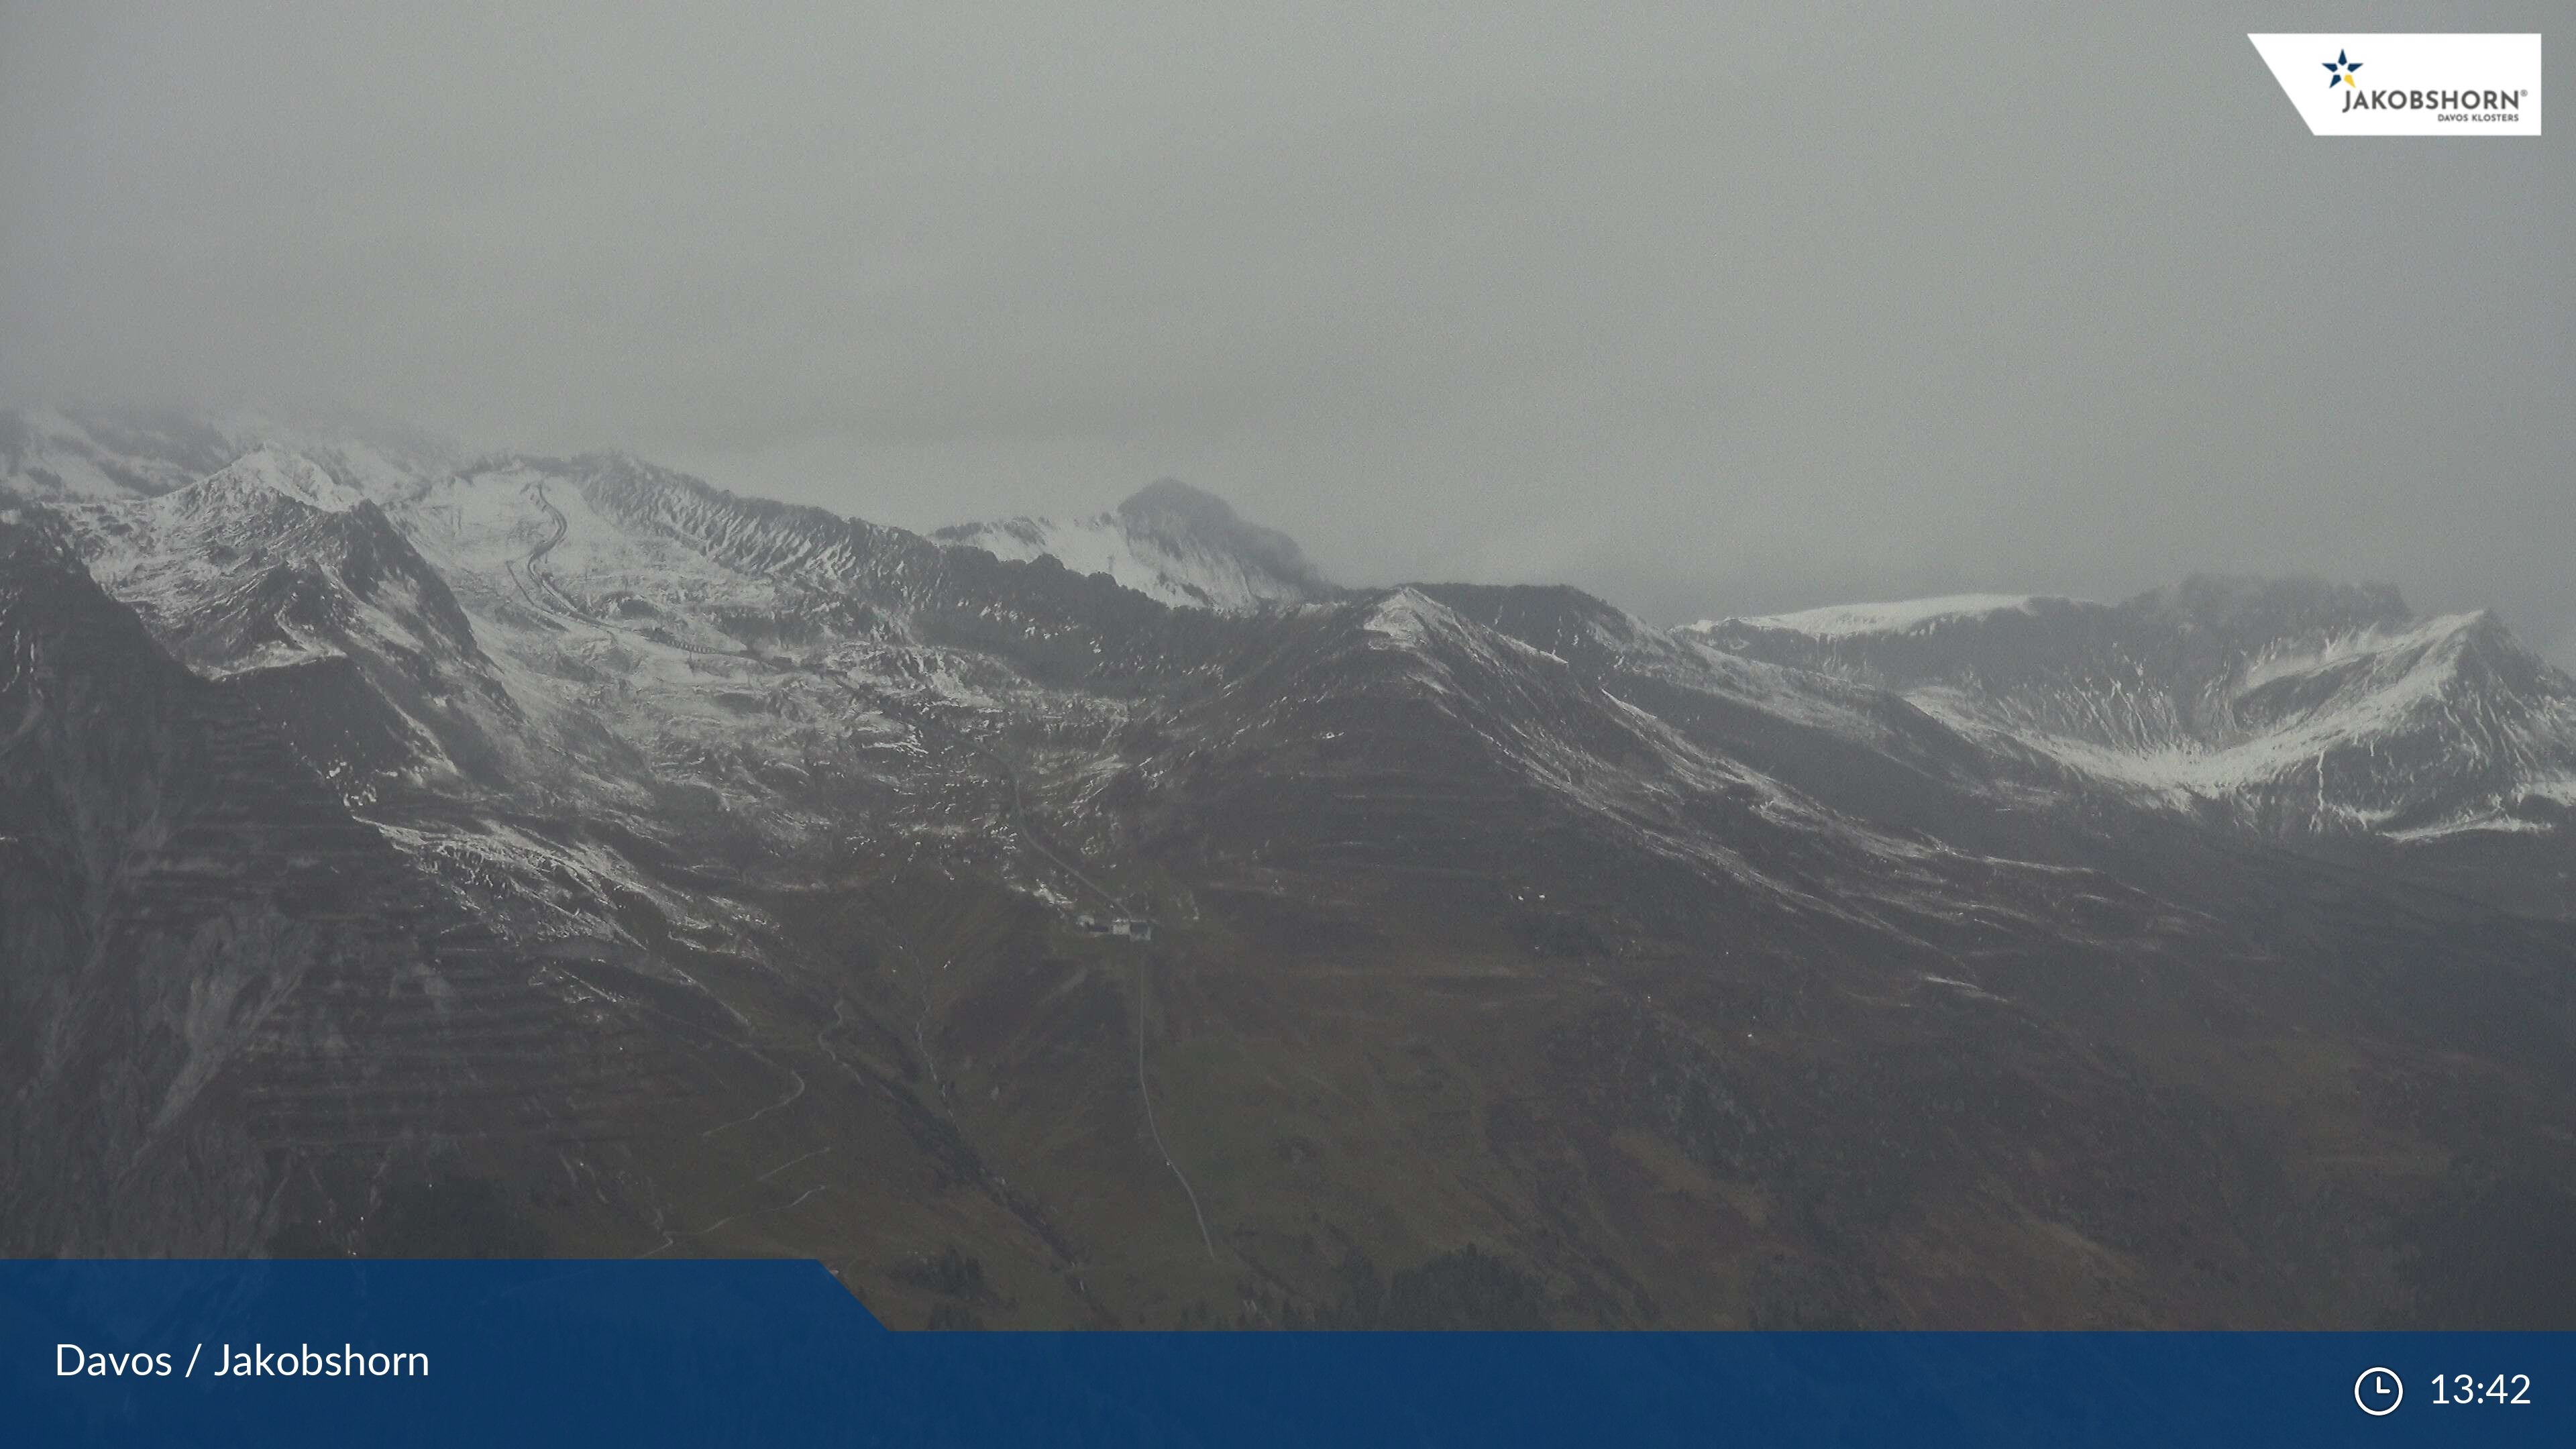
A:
(1170, 498)
(1174, 510)
(1168, 540)
(268, 470)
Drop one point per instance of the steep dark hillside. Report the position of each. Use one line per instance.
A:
(229, 1002)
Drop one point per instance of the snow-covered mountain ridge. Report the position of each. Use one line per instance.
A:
(2281, 707)
(271, 565)
(1169, 540)
(2287, 705)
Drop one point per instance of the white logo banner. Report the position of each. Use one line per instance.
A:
(2409, 85)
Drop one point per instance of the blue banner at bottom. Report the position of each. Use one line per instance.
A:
(735, 1352)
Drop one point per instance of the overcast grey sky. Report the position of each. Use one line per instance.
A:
(1707, 311)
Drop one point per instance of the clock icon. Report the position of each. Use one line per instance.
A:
(2378, 1391)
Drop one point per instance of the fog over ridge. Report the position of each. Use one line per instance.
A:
(1708, 313)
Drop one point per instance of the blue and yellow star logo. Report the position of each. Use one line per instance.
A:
(2339, 72)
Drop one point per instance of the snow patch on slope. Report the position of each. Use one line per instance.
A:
(1843, 621)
